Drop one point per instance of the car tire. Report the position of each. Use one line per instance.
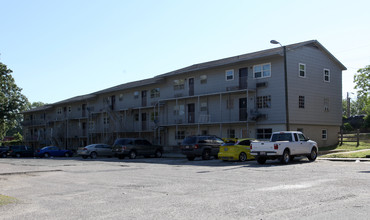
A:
(158, 154)
(46, 155)
(3, 155)
(292, 158)
(18, 155)
(261, 160)
(84, 157)
(132, 154)
(67, 154)
(285, 158)
(313, 155)
(93, 155)
(206, 155)
(190, 158)
(242, 157)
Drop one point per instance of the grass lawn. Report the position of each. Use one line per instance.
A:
(6, 200)
(349, 146)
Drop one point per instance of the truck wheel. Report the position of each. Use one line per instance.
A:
(158, 154)
(242, 157)
(132, 154)
(206, 155)
(285, 159)
(261, 160)
(313, 155)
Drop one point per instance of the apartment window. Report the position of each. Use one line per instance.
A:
(264, 101)
(326, 75)
(106, 120)
(302, 70)
(120, 97)
(203, 106)
(203, 79)
(154, 93)
(180, 135)
(136, 94)
(178, 84)
(178, 110)
(230, 103)
(301, 102)
(264, 133)
(91, 125)
(229, 75)
(231, 133)
(69, 109)
(326, 104)
(262, 71)
(59, 111)
(204, 132)
(136, 117)
(324, 134)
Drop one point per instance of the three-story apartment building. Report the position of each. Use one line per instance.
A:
(241, 96)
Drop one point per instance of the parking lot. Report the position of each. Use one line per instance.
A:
(175, 188)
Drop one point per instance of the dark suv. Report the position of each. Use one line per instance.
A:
(203, 145)
(4, 151)
(20, 151)
(133, 147)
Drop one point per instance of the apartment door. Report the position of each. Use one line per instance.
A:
(143, 122)
(191, 86)
(113, 102)
(143, 98)
(191, 113)
(243, 78)
(243, 115)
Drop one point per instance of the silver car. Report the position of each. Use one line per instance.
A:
(95, 150)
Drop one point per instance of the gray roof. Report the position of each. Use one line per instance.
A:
(201, 66)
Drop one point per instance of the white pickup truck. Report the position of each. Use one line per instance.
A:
(284, 145)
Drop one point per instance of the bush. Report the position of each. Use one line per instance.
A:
(347, 127)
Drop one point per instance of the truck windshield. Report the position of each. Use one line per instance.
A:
(281, 137)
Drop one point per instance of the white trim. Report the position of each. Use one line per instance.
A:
(226, 74)
(262, 76)
(299, 70)
(328, 75)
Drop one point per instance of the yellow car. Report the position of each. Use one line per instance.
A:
(238, 151)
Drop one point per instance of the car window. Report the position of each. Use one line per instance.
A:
(99, 146)
(281, 137)
(302, 137)
(54, 148)
(189, 140)
(145, 142)
(123, 141)
(245, 142)
(218, 140)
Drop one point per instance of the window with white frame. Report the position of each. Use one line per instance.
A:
(203, 106)
(262, 71)
(326, 75)
(231, 133)
(230, 103)
(326, 104)
(136, 94)
(324, 134)
(178, 110)
(180, 135)
(120, 97)
(302, 70)
(229, 74)
(179, 84)
(155, 93)
(301, 101)
(203, 79)
(264, 133)
(264, 101)
(91, 125)
(69, 109)
(59, 110)
(106, 120)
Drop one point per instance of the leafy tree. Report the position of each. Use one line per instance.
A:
(362, 80)
(12, 101)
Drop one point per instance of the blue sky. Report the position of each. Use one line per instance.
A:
(61, 49)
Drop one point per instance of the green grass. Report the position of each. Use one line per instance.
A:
(4, 200)
(361, 154)
(347, 146)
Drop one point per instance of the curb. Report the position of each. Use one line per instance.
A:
(346, 159)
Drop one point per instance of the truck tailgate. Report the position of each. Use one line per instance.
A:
(262, 146)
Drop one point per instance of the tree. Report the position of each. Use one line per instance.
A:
(362, 80)
(12, 101)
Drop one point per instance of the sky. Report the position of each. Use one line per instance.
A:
(62, 49)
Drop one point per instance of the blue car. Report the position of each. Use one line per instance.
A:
(51, 151)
